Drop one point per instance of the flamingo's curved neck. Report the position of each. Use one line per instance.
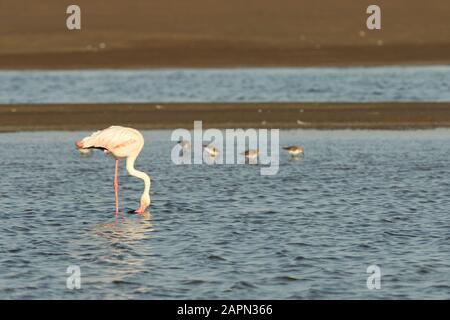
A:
(138, 174)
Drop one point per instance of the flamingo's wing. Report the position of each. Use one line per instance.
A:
(121, 141)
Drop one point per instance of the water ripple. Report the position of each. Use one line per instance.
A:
(357, 198)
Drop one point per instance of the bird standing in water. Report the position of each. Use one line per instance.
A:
(121, 142)
(185, 145)
(251, 155)
(295, 150)
(211, 151)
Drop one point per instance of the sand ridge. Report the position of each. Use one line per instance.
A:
(223, 115)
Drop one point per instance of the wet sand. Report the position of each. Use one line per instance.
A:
(232, 33)
(254, 115)
(203, 33)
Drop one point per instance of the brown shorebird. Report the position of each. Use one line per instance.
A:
(211, 151)
(251, 154)
(185, 145)
(295, 150)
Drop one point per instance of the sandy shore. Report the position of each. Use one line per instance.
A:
(169, 116)
(204, 33)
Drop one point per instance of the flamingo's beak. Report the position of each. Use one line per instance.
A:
(140, 210)
(78, 145)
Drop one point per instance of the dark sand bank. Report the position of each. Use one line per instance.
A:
(255, 115)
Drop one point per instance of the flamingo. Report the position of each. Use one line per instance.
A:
(121, 142)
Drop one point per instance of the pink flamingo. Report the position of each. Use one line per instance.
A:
(121, 142)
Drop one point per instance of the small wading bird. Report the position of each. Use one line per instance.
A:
(185, 145)
(295, 150)
(211, 151)
(251, 154)
(121, 142)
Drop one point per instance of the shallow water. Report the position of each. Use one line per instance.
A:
(376, 84)
(224, 231)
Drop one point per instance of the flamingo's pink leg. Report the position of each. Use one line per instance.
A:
(116, 187)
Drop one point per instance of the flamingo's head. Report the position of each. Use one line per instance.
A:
(145, 202)
(79, 144)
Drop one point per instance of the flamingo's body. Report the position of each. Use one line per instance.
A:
(121, 142)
